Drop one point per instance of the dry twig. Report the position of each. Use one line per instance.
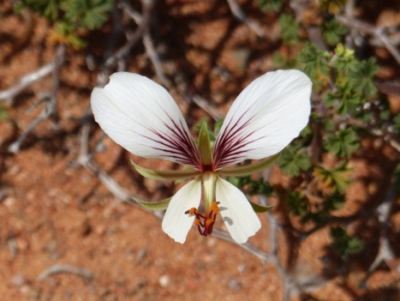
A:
(148, 43)
(385, 253)
(51, 106)
(241, 16)
(376, 32)
(26, 81)
(63, 268)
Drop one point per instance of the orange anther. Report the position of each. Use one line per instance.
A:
(196, 222)
(214, 207)
(209, 222)
(192, 211)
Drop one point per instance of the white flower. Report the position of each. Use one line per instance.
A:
(142, 117)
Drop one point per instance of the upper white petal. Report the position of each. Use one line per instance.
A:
(142, 117)
(237, 213)
(265, 117)
(176, 223)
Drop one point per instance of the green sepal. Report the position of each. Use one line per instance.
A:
(208, 181)
(161, 205)
(204, 145)
(259, 209)
(172, 175)
(247, 170)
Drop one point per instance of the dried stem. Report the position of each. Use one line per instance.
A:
(376, 32)
(148, 43)
(385, 253)
(26, 81)
(241, 16)
(51, 105)
(63, 268)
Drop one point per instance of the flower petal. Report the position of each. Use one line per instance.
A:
(265, 117)
(142, 117)
(237, 213)
(176, 223)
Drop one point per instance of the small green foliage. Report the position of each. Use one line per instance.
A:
(396, 120)
(3, 113)
(332, 31)
(335, 179)
(347, 99)
(89, 14)
(296, 203)
(46, 8)
(270, 5)
(315, 62)
(252, 187)
(283, 62)
(217, 127)
(343, 143)
(293, 160)
(344, 60)
(69, 16)
(335, 201)
(289, 28)
(362, 76)
(344, 244)
(332, 6)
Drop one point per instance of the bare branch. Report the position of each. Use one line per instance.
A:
(51, 105)
(208, 107)
(372, 30)
(385, 253)
(26, 81)
(148, 43)
(241, 16)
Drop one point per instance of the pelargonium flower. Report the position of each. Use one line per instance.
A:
(141, 116)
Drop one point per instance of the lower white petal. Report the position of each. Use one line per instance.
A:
(176, 223)
(237, 213)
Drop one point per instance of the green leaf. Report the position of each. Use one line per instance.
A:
(289, 28)
(348, 101)
(362, 77)
(259, 209)
(162, 205)
(3, 113)
(296, 203)
(283, 62)
(270, 5)
(252, 187)
(343, 143)
(344, 244)
(335, 201)
(332, 31)
(89, 14)
(250, 169)
(336, 179)
(204, 145)
(343, 59)
(332, 6)
(293, 160)
(217, 127)
(172, 175)
(315, 62)
(46, 8)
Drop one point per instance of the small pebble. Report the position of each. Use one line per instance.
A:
(164, 280)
